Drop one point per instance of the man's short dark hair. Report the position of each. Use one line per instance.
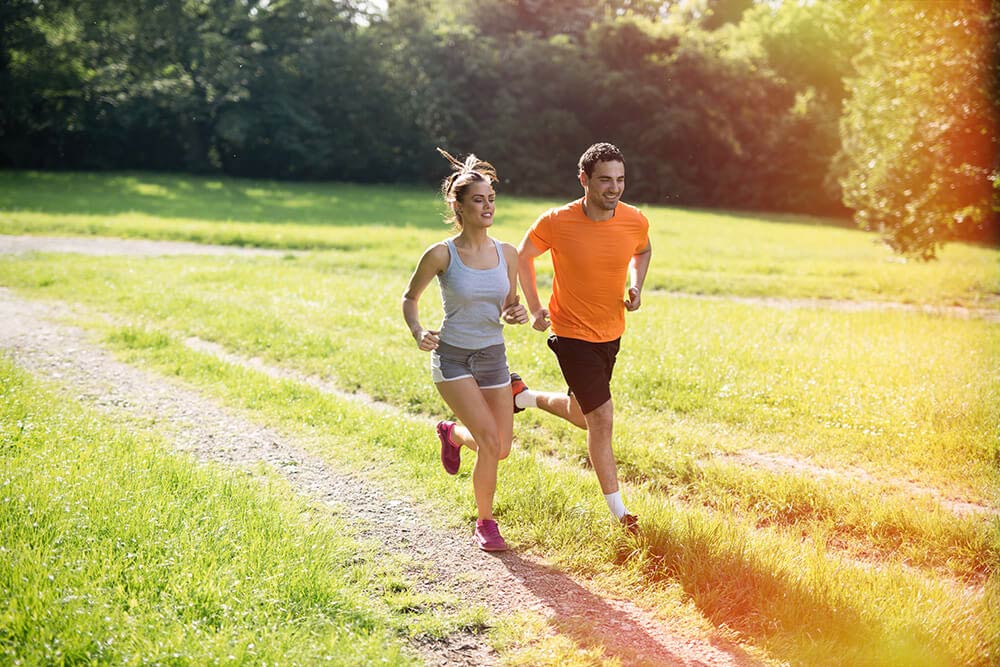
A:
(602, 152)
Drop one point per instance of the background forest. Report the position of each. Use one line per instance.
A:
(880, 110)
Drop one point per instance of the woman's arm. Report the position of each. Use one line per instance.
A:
(433, 262)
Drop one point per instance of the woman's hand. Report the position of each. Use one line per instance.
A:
(427, 340)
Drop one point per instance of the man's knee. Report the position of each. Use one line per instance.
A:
(601, 416)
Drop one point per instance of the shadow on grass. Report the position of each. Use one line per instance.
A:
(594, 623)
(218, 198)
(791, 617)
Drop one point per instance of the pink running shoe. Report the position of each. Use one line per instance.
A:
(451, 454)
(488, 536)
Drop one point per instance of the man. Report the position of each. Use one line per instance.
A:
(596, 243)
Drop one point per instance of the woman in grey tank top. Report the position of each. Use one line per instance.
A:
(478, 280)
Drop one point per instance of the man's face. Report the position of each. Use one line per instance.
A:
(605, 186)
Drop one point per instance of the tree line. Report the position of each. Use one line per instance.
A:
(885, 110)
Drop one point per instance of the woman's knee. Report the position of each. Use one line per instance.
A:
(489, 444)
(504, 449)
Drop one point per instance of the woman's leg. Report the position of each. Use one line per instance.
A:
(470, 406)
(502, 406)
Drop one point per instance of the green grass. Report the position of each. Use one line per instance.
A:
(695, 251)
(798, 596)
(116, 552)
(819, 570)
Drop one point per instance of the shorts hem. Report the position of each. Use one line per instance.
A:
(444, 379)
(496, 386)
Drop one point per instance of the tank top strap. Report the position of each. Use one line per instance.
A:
(503, 263)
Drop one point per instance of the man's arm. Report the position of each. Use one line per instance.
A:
(637, 269)
(526, 254)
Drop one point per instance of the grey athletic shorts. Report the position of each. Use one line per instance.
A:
(488, 366)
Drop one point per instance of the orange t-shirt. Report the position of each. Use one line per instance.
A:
(591, 261)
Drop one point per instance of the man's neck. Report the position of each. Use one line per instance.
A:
(603, 214)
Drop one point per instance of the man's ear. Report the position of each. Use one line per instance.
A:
(583, 178)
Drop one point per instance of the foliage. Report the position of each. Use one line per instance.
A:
(778, 106)
(919, 126)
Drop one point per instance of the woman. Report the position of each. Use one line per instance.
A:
(478, 280)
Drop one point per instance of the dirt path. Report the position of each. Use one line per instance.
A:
(101, 245)
(505, 584)
(790, 464)
(960, 312)
(104, 245)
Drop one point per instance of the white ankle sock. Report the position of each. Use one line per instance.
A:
(526, 399)
(615, 504)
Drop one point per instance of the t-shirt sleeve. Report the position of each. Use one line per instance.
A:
(541, 232)
(643, 232)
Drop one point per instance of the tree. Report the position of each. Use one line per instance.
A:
(808, 49)
(919, 125)
(720, 12)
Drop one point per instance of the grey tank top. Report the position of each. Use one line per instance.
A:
(472, 300)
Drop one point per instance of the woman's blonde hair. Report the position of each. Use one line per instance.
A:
(463, 174)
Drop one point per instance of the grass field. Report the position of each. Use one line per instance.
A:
(116, 552)
(792, 458)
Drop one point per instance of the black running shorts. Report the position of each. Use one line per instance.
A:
(587, 368)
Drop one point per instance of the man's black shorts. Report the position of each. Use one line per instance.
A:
(587, 368)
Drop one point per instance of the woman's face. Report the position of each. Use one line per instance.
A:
(476, 207)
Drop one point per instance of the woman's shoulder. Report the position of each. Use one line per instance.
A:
(438, 254)
(439, 247)
(509, 251)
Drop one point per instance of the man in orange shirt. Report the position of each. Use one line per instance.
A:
(597, 242)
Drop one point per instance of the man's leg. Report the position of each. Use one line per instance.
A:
(600, 422)
(561, 405)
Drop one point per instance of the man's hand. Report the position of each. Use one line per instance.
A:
(540, 319)
(634, 299)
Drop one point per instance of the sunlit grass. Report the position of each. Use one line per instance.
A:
(695, 251)
(834, 560)
(116, 552)
(767, 584)
(901, 393)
